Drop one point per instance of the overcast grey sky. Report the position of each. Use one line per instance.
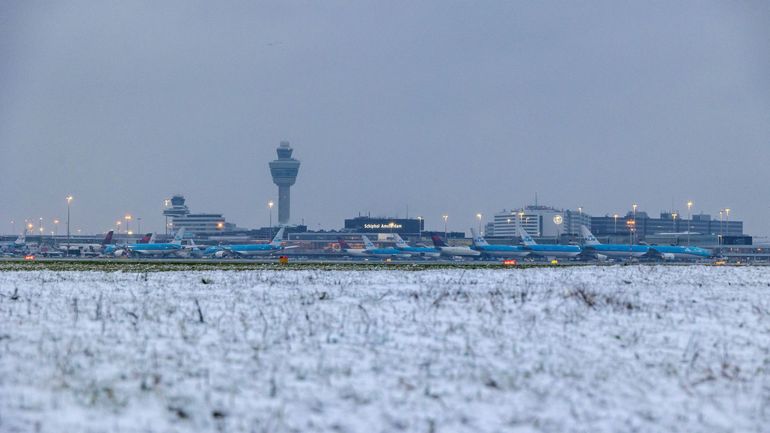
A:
(453, 107)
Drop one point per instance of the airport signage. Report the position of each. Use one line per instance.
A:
(383, 226)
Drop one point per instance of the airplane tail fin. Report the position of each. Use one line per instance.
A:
(107, 239)
(367, 243)
(526, 239)
(399, 242)
(146, 238)
(344, 245)
(437, 241)
(179, 236)
(478, 240)
(22, 239)
(278, 237)
(588, 237)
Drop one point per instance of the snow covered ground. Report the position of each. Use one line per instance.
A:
(593, 349)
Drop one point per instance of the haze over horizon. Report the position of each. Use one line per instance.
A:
(445, 107)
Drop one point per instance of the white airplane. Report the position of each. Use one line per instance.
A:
(446, 250)
(353, 252)
(17, 246)
(86, 249)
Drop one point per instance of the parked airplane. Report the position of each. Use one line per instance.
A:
(353, 252)
(425, 252)
(86, 249)
(371, 250)
(678, 252)
(160, 249)
(258, 249)
(17, 246)
(481, 245)
(563, 251)
(459, 251)
(665, 252)
(595, 248)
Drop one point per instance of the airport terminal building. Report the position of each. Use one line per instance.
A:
(402, 226)
(539, 222)
(178, 216)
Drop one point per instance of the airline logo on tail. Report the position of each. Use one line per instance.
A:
(437, 241)
(276, 242)
(589, 238)
(367, 243)
(526, 239)
(107, 239)
(344, 245)
(178, 237)
(478, 240)
(399, 242)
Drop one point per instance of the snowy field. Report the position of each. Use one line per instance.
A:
(590, 349)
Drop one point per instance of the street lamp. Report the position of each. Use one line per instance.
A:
(117, 225)
(128, 219)
(69, 201)
(689, 218)
(478, 215)
(270, 206)
(727, 223)
(419, 228)
(634, 206)
(615, 229)
(56, 227)
(446, 217)
(673, 221)
(166, 204)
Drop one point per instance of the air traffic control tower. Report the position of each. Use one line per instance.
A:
(284, 171)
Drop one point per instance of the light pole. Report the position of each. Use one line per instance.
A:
(419, 228)
(478, 215)
(13, 227)
(270, 206)
(673, 221)
(69, 201)
(56, 227)
(615, 229)
(633, 231)
(727, 223)
(40, 228)
(446, 217)
(166, 203)
(689, 218)
(721, 212)
(117, 225)
(128, 219)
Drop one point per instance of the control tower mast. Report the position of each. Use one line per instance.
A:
(284, 171)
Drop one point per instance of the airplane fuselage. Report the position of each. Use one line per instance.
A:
(502, 250)
(617, 250)
(674, 252)
(561, 251)
(458, 251)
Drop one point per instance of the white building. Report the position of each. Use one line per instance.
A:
(194, 223)
(540, 221)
